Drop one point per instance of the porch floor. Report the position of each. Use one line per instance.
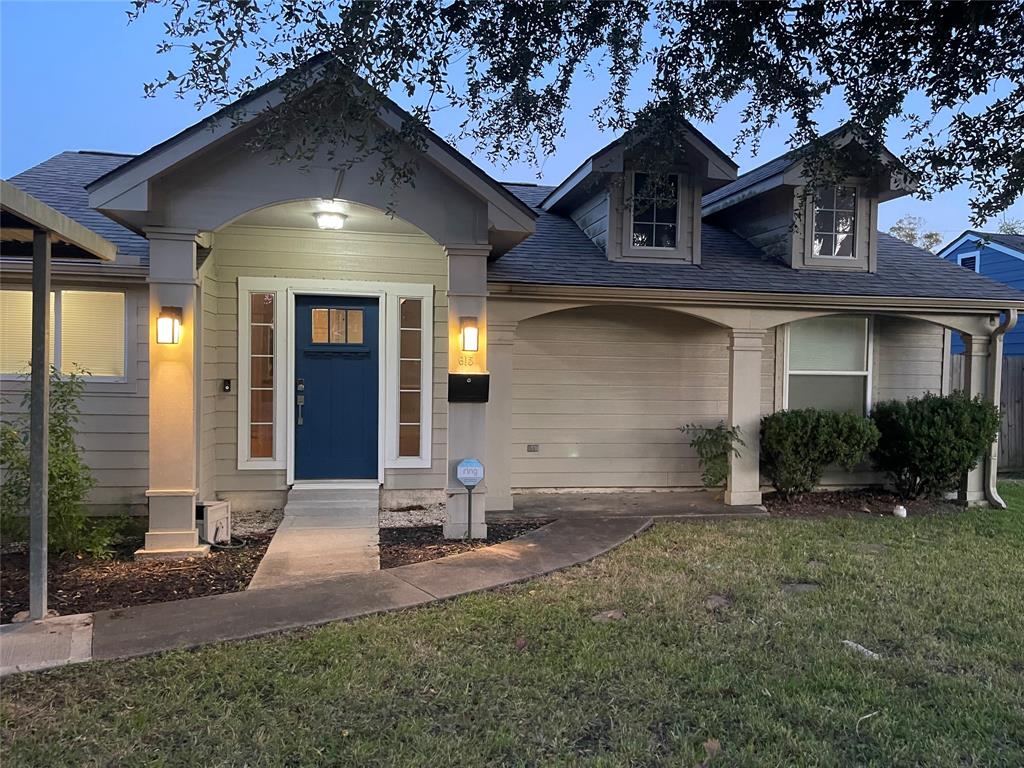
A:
(653, 504)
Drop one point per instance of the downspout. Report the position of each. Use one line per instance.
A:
(995, 381)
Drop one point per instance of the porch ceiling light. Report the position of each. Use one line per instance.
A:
(168, 325)
(469, 334)
(329, 219)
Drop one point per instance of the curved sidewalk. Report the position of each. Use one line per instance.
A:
(146, 629)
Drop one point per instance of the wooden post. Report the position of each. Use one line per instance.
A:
(39, 425)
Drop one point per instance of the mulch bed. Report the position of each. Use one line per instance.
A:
(84, 584)
(403, 546)
(871, 502)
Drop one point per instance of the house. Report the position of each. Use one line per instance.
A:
(998, 257)
(267, 327)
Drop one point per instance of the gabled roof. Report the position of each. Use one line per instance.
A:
(229, 119)
(1012, 245)
(561, 254)
(773, 173)
(722, 167)
(60, 183)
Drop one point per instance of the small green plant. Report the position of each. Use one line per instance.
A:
(797, 446)
(929, 443)
(714, 446)
(70, 529)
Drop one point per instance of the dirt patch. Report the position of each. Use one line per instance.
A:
(84, 584)
(874, 503)
(403, 546)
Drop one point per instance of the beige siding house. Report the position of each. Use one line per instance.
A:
(267, 327)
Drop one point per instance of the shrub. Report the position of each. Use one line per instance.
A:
(69, 528)
(797, 446)
(714, 446)
(929, 443)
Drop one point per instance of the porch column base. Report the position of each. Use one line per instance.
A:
(743, 498)
(172, 526)
(458, 511)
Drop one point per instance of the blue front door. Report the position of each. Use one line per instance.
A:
(336, 387)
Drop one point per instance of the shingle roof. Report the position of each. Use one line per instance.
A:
(60, 183)
(1010, 241)
(561, 254)
(750, 178)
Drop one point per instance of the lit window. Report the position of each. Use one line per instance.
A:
(337, 326)
(835, 219)
(261, 375)
(87, 332)
(410, 382)
(828, 364)
(655, 210)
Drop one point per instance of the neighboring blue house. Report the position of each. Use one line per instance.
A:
(997, 257)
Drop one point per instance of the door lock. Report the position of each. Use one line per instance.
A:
(300, 400)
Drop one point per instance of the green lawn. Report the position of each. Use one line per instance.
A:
(941, 599)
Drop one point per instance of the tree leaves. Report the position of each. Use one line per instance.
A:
(509, 67)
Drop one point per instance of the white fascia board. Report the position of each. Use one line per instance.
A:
(37, 213)
(970, 237)
(737, 197)
(567, 186)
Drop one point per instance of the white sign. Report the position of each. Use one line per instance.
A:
(470, 472)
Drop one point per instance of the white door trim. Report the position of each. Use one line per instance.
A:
(388, 296)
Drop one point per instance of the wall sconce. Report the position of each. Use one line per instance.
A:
(469, 334)
(168, 325)
(329, 220)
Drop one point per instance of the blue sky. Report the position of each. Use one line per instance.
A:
(85, 92)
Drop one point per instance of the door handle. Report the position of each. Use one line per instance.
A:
(300, 400)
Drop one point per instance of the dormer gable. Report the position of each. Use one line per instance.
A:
(639, 203)
(831, 227)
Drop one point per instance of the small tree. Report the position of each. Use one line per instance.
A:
(70, 480)
(910, 229)
(929, 443)
(1010, 226)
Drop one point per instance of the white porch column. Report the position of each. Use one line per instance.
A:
(500, 341)
(467, 421)
(745, 349)
(173, 399)
(976, 363)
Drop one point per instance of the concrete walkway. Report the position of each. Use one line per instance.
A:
(324, 533)
(191, 623)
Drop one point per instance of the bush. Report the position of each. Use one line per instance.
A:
(929, 443)
(69, 528)
(797, 446)
(714, 446)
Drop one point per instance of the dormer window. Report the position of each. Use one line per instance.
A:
(655, 210)
(835, 220)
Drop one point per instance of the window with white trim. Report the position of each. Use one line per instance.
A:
(87, 332)
(262, 378)
(655, 210)
(835, 222)
(410, 379)
(829, 364)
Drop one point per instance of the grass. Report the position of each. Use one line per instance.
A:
(524, 676)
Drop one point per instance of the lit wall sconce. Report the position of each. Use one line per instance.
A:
(469, 334)
(168, 325)
(329, 220)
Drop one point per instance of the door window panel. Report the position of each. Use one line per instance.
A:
(261, 378)
(337, 326)
(410, 384)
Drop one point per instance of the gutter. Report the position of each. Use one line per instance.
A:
(995, 375)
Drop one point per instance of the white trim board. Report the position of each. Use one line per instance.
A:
(976, 255)
(388, 296)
